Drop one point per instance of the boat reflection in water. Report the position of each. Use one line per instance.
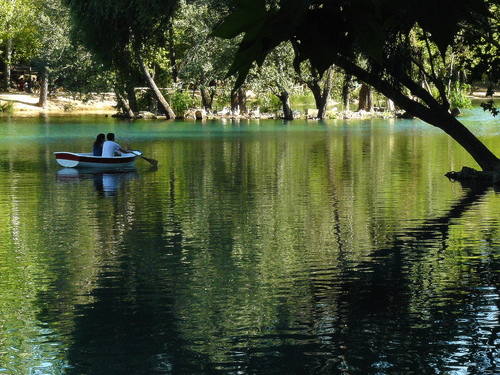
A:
(105, 181)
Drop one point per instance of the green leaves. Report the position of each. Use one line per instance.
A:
(248, 17)
(264, 29)
(109, 27)
(325, 31)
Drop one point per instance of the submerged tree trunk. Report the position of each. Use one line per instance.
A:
(365, 98)
(44, 87)
(7, 61)
(284, 97)
(161, 99)
(477, 149)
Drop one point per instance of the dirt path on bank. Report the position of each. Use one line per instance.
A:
(24, 104)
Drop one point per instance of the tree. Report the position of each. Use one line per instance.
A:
(18, 35)
(278, 76)
(201, 59)
(37, 33)
(124, 34)
(52, 24)
(382, 33)
(319, 84)
(365, 98)
(347, 87)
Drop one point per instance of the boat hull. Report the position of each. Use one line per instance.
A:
(74, 160)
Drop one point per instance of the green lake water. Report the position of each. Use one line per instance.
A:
(254, 248)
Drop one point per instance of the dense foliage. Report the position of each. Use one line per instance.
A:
(408, 51)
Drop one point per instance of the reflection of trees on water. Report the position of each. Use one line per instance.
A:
(213, 263)
(132, 324)
(388, 319)
(227, 264)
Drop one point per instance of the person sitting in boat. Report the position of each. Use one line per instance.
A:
(99, 141)
(110, 148)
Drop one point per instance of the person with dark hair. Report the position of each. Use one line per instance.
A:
(110, 148)
(99, 141)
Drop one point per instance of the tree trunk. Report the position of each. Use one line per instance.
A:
(346, 91)
(285, 101)
(327, 88)
(132, 99)
(456, 130)
(164, 104)
(242, 100)
(390, 105)
(122, 104)
(171, 53)
(322, 107)
(44, 87)
(207, 98)
(365, 98)
(432, 113)
(8, 61)
(234, 101)
(320, 96)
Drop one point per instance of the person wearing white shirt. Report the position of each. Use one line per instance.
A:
(110, 148)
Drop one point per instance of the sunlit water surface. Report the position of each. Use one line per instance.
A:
(255, 248)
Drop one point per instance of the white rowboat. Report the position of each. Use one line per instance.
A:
(88, 160)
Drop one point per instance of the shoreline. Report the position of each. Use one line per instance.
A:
(24, 105)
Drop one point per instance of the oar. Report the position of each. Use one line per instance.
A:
(153, 162)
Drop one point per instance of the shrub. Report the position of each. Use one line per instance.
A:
(305, 100)
(181, 101)
(222, 100)
(268, 103)
(458, 96)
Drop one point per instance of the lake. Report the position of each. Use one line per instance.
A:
(255, 248)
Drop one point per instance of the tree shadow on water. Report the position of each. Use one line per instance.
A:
(387, 315)
(395, 316)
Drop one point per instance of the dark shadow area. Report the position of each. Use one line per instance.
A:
(381, 316)
(392, 319)
(385, 316)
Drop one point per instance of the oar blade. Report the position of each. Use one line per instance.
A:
(153, 162)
